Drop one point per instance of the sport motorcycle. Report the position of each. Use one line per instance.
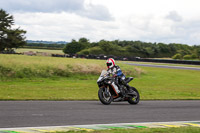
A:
(109, 90)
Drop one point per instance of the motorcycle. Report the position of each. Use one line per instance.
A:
(109, 91)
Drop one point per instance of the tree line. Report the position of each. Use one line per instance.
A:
(132, 49)
(44, 46)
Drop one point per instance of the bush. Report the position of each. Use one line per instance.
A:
(92, 51)
(84, 52)
(187, 57)
(177, 56)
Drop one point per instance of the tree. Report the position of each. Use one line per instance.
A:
(74, 47)
(83, 40)
(194, 56)
(197, 52)
(84, 43)
(10, 38)
(106, 46)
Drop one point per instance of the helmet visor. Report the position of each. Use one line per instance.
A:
(109, 64)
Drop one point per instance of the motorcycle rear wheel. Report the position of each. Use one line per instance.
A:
(136, 98)
(102, 97)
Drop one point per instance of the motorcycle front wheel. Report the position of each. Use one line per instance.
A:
(103, 97)
(136, 96)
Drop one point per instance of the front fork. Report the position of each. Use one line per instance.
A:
(106, 91)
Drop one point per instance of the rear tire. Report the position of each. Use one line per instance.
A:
(105, 100)
(136, 98)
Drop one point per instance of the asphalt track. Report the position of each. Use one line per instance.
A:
(58, 113)
(165, 66)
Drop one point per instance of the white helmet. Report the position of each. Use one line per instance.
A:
(110, 63)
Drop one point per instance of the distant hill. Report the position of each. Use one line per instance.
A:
(46, 42)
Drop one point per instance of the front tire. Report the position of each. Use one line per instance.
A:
(103, 98)
(135, 98)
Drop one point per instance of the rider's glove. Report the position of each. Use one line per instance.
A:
(115, 75)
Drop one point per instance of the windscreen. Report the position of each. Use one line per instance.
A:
(103, 72)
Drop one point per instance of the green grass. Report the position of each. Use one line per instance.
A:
(162, 83)
(48, 89)
(49, 78)
(145, 130)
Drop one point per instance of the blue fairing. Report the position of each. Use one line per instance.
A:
(119, 73)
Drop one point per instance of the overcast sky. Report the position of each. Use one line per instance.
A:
(167, 21)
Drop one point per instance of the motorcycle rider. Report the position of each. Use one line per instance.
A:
(116, 72)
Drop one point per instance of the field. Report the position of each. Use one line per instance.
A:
(50, 78)
(22, 50)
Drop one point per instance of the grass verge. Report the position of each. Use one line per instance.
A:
(145, 130)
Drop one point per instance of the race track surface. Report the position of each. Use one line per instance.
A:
(58, 113)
